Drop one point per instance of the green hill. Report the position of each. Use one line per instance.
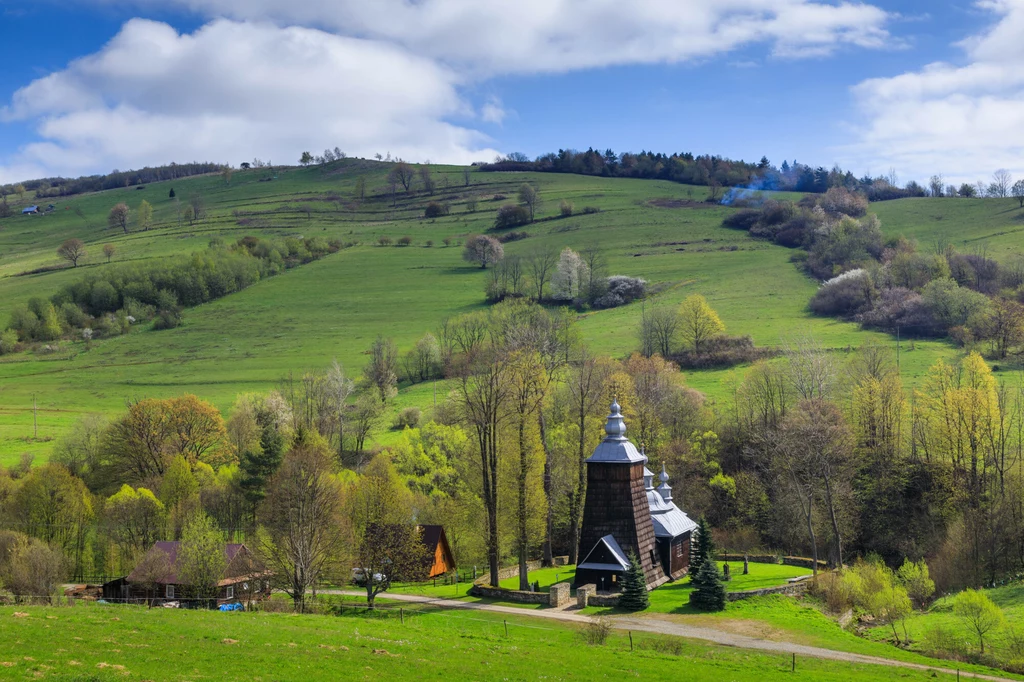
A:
(335, 307)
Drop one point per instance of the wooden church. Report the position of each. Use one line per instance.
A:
(625, 513)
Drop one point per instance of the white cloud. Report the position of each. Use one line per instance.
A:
(234, 90)
(493, 111)
(962, 120)
(530, 36)
(272, 78)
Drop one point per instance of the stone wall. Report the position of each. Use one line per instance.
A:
(603, 599)
(801, 561)
(516, 596)
(790, 589)
(509, 572)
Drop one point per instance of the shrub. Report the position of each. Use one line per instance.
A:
(722, 351)
(435, 210)
(499, 197)
(408, 418)
(565, 209)
(511, 215)
(167, 319)
(596, 632)
(832, 589)
(841, 201)
(847, 294)
(403, 241)
(587, 210)
(742, 220)
(8, 341)
(428, 243)
(951, 305)
(914, 577)
(513, 236)
(845, 244)
(384, 241)
(899, 307)
(622, 290)
(471, 205)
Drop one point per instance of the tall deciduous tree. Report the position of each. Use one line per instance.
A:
(304, 525)
(381, 372)
(109, 250)
(530, 198)
(135, 520)
(202, 558)
(144, 215)
(389, 545)
(402, 174)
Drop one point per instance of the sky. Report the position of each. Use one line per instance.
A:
(921, 87)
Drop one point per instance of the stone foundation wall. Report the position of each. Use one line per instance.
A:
(516, 596)
(790, 589)
(603, 599)
(506, 573)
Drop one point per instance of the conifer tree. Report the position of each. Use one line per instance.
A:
(709, 592)
(703, 547)
(634, 586)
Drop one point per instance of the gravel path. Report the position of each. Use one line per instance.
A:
(666, 627)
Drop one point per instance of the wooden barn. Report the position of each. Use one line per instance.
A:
(244, 578)
(624, 513)
(440, 560)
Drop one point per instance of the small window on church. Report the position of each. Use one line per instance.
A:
(615, 578)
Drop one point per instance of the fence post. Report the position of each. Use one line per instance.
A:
(630, 640)
(401, 613)
(506, 627)
(794, 661)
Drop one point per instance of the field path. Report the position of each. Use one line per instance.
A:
(665, 627)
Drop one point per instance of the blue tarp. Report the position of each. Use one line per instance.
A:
(231, 607)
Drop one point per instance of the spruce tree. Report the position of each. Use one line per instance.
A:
(709, 592)
(634, 586)
(257, 466)
(703, 547)
(170, 195)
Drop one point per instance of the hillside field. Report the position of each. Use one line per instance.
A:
(334, 308)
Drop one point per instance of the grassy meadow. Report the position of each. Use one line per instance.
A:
(335, 307)
(98, 642)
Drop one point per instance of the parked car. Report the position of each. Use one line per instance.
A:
(359, 576)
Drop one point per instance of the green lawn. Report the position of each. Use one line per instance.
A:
(115, 642)
(334, 308)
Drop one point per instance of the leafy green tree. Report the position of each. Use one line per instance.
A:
(50, 329)
(914, 577)
(201, 557)
(708, 591)
(634, 586)
(978, 613)
(306, 158)
(134, 519)
(698, 321)
(530, 198)
(144, 215)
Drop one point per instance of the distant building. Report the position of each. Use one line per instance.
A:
(625, 513)
(29, 209)
(440, 559)
(244, 579)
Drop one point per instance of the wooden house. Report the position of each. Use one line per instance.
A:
(441, 560)
(244, 578)
(626, 515)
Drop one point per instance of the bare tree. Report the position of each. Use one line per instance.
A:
(119, 216)
(72, 250)
(585, 387)
(483, 391)
(465, 175)
(812, 372)
(402, 174)
(305, 529)
(427, 178)
(1018, 192)
(541, 262)
(1001, 182)
(659, 330)
(935, 185)
(109, 250)
(381, 373)
(198, 204)
(529, 197)
(155, 569)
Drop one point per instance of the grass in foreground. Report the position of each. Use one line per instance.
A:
(115, 643)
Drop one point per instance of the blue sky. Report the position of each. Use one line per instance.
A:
(921, 87)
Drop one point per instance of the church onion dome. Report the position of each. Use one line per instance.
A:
(664, 488)
(615, 448)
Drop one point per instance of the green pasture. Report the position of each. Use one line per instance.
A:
(334, 308)
(115, 642)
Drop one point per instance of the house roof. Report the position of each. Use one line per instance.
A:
(431, 535)
(609, 543)
(171, 550)
(30, 209)
(615, 448)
